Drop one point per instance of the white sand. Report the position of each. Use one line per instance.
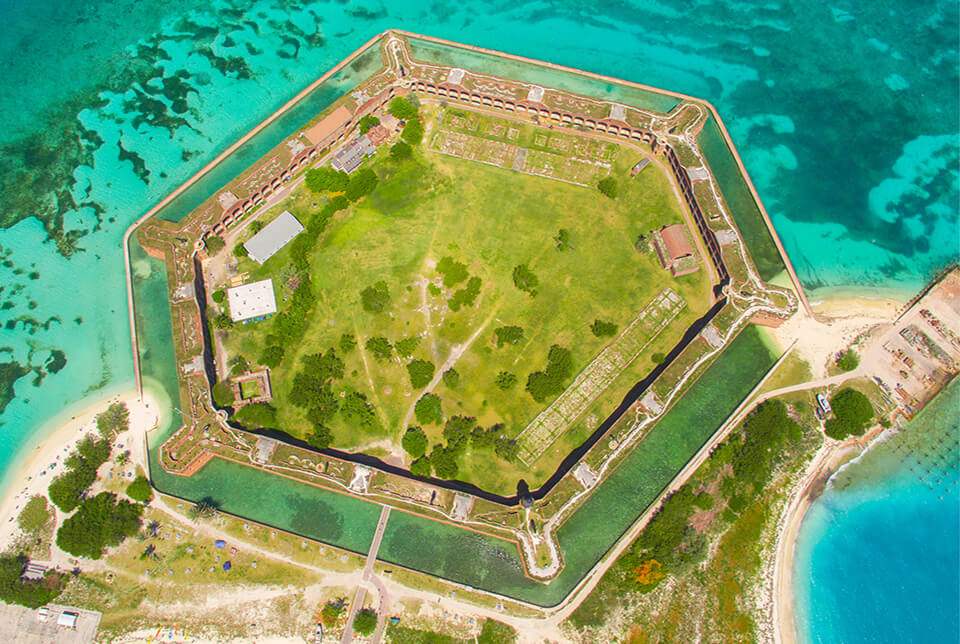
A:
(35, 472)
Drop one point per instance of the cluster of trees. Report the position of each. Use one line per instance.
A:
(459, 432)
(403, 109)
(32, 594)
(358, 411)
(367, 122)
(414, 442)
(848, 360)
(380, 347)
(525, 280)
(67, 490)
(325, 179)
(365, 622)
(421, 373)
(407, 346)
(375, 298)
(453, 272)
(508, 335)
(465, 296)
(312, 390)
(401, 150)
(222, 394)
(548, 384)
(852, 412)
(413, 132)
(362, 182)
(263, 415)
(602, 329)
(101, 522)
(608, 186)
(115, 420)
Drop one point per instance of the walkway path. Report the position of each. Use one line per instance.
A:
(362, 589)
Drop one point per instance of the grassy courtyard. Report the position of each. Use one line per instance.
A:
(453, 279)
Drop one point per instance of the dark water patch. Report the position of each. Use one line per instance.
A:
(230, 66)
(34, 275)
(308, 514)
(56, 361)
(253, 51)
(78, 320)
(139, 165)
(6, 306)
(31, 305)
(290, 48)
(228, 42)
(10, 373)
(154, 113)
(363, 13)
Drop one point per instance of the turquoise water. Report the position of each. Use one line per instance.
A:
(845, 115)
(877, 556)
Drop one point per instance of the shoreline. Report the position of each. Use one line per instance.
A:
(34, 473)
(827, 461)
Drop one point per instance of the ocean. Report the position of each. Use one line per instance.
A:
(845, 114)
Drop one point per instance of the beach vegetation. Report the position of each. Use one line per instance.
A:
(214, 244)
(139, 490)
(34, 515)
(32, 594)
(115, 420)
(101, 522)
(365, 622)
(852, 411)
(848, 360)
(67, 490)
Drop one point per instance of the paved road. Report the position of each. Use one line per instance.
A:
(362, 589)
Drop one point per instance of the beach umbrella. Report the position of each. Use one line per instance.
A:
(226, 565)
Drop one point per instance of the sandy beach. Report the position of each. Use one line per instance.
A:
(44, 462)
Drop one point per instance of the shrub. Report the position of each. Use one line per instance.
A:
(365, 621)
(421, 373)
(355, 409)
(465, 296)
(494, 632)
(433, 289)
(139, 490)
(848, 360)
(331, 613)
(603, 329)
(429, 410)
(407, 346)
(380, 347)
(348, 342)
(413, 132)
(255, 226)
(326, 178)
(101, 522)
(508, 335)
(451, 378)
(852, 412)
(658, 358)
(562, 240)
(321, 437)
(362, 182)
(375, 298)
(34, 514)
(421, 467)
(415, 442)
(703, 501)
(367, 122)
(240, 251)
(257, 415)
(453, 272)
(401, 150)
(222, 321)
(214, 244)
(525, 280)
(402, 108)
(218, 296)
(222, 394)
(115, 420)
(550, 383)
(505, 380)
(609, 187)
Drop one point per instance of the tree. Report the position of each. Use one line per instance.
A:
(451, 378)
(31, 594)
(67, 490)
(852, 412)
(608, 186)
(415, 442)
(326, 178)
(848, 360)
(407, 346)
(240, 251)
(453, 272)
(444, 462)
(356, 410)
(602, 329)
(402, 108)
(465, 296)
(139, 490)
(115, 420)
(222, 321)
(429, 410)
(272, 356)
(362, 182)
(321, 437)
(218, 296)
(205, 508)
(365, 621)
(380, 347)
(101, 522)
(421, 373)
(505, 380)
(255, 226)
(257, 415)
(214, 244)
(421, 467)
(367, 122)
(550, 383)
(375, 298)
(34, 515)
(508, 335)
(348, 342)
(401, 150)
(525, 280)
(457, 431)
(412, 132)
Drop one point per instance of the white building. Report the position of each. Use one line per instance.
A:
(252, 300)
(274, 236)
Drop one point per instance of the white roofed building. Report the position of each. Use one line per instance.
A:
(274, 236)
(252, 300)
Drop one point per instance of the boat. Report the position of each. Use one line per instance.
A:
(824, 405)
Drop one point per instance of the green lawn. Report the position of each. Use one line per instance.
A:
(490, 219)
(249, 389)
